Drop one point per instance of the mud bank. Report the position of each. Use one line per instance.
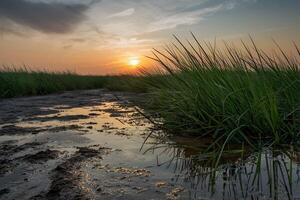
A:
(75, 145)
(89, 145)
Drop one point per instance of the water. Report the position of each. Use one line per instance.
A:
(165, 167)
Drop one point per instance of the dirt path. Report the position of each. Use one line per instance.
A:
(78, 145)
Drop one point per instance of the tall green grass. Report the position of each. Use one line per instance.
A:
(15, 82)
(229, 94)
(23, 82)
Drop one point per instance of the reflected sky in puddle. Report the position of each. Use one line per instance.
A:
(264, 174)
(106, 116)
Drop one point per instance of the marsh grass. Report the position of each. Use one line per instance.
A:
(127, 83)
(24, 82)
(16, 82)
(230, 94)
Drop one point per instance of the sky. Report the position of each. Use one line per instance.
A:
(112, 36)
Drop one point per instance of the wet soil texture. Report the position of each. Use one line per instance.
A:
(90, 145)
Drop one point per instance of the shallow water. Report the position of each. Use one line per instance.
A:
(94, 150)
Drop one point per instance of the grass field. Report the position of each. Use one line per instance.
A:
(231, 95)
(24, 82)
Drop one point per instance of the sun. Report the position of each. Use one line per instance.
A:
(134, 61)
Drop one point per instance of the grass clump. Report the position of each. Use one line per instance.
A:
(229, 94)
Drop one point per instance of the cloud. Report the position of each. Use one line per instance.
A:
(192, 13)
(78, 40)
(128, 43)
(10, 31)
(124, 13)
(183, 18)
(55, 17)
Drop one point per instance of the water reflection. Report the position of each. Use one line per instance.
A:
(240, 173)
(176, 162)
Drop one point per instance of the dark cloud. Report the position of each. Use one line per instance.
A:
(45, 17)
(11, 31)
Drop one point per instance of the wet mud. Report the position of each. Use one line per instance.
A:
(91, 145)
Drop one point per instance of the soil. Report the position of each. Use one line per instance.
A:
(84, 145)
(75, 145)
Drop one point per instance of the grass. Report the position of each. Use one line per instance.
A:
(238, 95)
(231, 95)
(23, 82)
(242, 96)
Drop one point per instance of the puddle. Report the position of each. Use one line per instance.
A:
(87, 145)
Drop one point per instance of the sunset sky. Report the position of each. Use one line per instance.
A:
(110, 36)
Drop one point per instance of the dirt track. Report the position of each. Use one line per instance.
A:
(78, 145)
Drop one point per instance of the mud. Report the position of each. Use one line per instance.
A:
(68, 181)
(42, 156)
(91, 145)
(7, 150)
(16, 130)
(57, 146)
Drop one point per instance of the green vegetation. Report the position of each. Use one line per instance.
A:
(230, 95)
(127, 84)
(23, 82)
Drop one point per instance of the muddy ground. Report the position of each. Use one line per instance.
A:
(79, 145)
(90, 145)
